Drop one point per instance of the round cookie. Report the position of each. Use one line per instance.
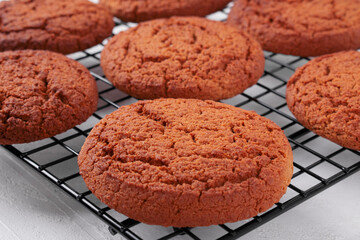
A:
(142, 10)
(182, 57)
(64, 26)
(324, 95)
(42, 94)
(186, 162)
(300, 27)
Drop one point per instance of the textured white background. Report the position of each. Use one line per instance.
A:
(33, 208)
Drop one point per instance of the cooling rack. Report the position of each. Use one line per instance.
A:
(318, 163)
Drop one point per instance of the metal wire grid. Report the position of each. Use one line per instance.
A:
(318, 163)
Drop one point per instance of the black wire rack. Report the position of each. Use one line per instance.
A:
(318, 163)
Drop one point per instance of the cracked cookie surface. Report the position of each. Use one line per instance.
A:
(64, 26)
(142, 10)
(186, 162)
(182, 57)
(300, 27)
(42, 94)
(324, 96)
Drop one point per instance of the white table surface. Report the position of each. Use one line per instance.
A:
(33, 208)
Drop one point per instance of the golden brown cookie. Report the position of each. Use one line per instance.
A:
(300, 27)
(64, 26)
(324, 95)
(42, 94)
(142, 10)
(186, 162)
(182, 57)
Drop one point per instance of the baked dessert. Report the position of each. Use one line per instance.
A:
(324, 96)
(142, 10)
(42, 94)
(186, 162)
(182, 57)
(300, 27)
(64, 26)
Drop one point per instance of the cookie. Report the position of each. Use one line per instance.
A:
(182, 57)
(186, 162)
(142, 10)
(64, 26)
(42, 94)
(300, 27)
(324, 96)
